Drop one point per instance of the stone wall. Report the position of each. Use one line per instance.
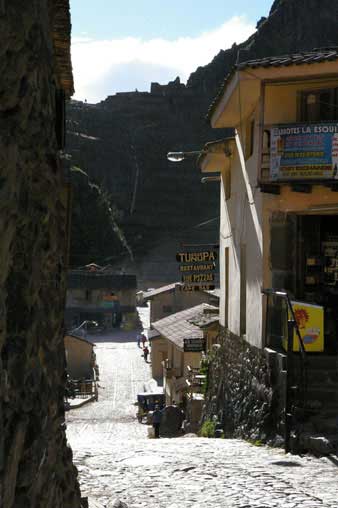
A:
(36, 468)
(242, 390)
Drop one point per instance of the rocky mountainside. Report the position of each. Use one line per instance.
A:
(95, 233)
(293, 25)
(122, 142)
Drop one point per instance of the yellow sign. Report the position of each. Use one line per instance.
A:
(196, 257)
(310, 320)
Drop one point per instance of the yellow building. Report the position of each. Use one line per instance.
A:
(187, 334)
(81, 366)
(80, 357)
(279, 200)
(278, 238)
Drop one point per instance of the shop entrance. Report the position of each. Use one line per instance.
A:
(317, 270)
(304, 261)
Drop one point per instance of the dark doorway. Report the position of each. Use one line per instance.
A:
(317, 270)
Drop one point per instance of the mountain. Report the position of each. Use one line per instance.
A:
(95, 233)
(122, 142)
(292, 25)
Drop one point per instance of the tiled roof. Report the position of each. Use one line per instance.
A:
(152, 334)
(158, 291)
(179, 326)
(308, 57)
(317, 55)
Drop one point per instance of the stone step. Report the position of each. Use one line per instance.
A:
(325, 407)
(322, 394)
(325, 425)
(319, 444)
(317, 424)
(315, 362)
(93, 503)
(322, 376)
(327, 383)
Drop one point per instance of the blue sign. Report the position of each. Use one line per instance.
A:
(301, 151)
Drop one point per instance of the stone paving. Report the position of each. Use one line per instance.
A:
(116, 460)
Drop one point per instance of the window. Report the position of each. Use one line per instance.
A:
(266, 141)
(249, 138)
(227, 185)
(242, 316)
(319, 105)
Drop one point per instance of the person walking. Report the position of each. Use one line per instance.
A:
(157, 418)
(145, 353)
(138, 338)
(144, 339)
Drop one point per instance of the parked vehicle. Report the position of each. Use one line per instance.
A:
(147, 401)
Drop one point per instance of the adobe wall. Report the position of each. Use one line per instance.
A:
(36, 469)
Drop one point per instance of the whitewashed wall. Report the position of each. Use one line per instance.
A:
(237, 228)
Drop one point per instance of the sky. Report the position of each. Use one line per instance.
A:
(121, 46)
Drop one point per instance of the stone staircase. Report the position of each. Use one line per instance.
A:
(319, 425)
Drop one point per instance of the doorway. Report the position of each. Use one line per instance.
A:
(317, 270)
(304, 262)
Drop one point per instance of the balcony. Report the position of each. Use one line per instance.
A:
(300, 153)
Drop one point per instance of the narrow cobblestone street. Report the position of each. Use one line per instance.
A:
(116, 460)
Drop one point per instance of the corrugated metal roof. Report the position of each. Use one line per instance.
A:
(164, 289)
(77, 279)
(215, 292)
(179, 326)
(82, 339)
(317, 55)
(203, 319)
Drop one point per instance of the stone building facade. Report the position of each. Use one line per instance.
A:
(36, 469)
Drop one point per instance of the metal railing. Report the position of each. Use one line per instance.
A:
(84, 327)
(81, 389)
(296, 386)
